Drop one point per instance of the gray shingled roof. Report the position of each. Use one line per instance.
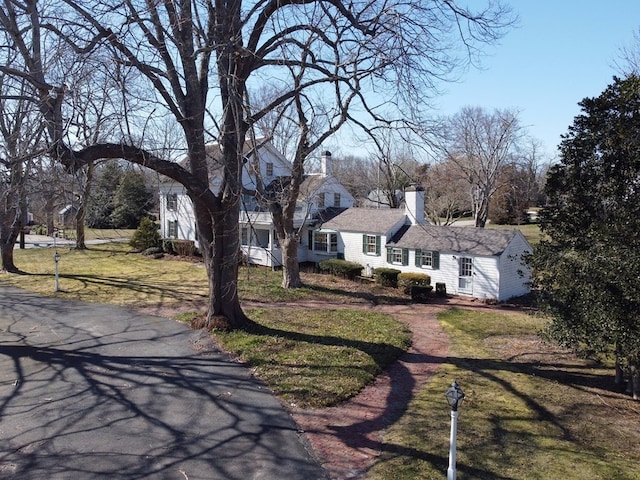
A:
(366, 220)
(476, 241)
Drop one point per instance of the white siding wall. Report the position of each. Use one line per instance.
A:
(485, 278)
(516, 276)
(280, 169)
(330, 187)
(447, 273)
(487, 282)
(351, 244)
(183, 213)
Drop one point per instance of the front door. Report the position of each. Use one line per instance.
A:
(465, 278)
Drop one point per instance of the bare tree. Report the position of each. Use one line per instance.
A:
(51, 189)
(629, 57)
(178, 48)
(446, 197)
(359, 175)
(396, 166)
(304, 123)
(20, 137)
(97, 101)
(481, 143)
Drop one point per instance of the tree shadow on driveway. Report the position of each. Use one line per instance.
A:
(91, 391)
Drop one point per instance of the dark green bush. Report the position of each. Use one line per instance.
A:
(387, 277)
(146, 236)
(421, 293)
(407, 280)
(342, 268)
(441, 289)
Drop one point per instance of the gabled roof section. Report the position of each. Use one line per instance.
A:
(366, 220)
(329, 213)
(470, 240)
(311, 184)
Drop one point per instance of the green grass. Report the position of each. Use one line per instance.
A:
(318, 357)
(531, 231)
(531, 412)
(111, 273)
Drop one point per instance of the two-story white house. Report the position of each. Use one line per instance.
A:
(321, 197)
(482, 263)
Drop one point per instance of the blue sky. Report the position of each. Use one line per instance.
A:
(561, 52)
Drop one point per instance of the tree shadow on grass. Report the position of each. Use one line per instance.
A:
(373, 298)
(403, 388)
(165, 293)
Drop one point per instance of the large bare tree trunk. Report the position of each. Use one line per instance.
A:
(8, 237)
(290, 265)
(482, 212)
(6, 251)
(12, 202)
(220, 244)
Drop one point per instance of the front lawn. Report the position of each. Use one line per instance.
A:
(110, 273)
(532, 411)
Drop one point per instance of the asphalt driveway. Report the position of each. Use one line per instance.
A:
(99, 392)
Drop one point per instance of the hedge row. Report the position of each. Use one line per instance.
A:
(418, 285)
(342, 268)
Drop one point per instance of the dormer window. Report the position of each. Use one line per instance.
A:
(321, 200)
(336, 199)
(269, 168)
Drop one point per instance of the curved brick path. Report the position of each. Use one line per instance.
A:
(347, 439)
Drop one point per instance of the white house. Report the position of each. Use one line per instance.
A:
(321, 197)
(482, 263)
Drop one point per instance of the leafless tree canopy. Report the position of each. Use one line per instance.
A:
(481, 143)
(194, 62)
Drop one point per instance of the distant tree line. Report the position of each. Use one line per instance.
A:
(482, 165)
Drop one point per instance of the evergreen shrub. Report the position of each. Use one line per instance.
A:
(146, 235)
(342, 268)
(407, 280)
(387, 277)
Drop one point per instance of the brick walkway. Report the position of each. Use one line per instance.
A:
(347, 439)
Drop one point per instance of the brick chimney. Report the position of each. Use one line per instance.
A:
(325, 164)
(414, 204)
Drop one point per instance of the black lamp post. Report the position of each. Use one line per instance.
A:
(454, 398)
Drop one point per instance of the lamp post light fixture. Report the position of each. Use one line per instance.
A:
(56, 259)
(454, 398)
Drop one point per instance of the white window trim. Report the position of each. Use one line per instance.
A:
(172, 202)
(372, 245)
(328, 242)
(428, 254)
(396, 251)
